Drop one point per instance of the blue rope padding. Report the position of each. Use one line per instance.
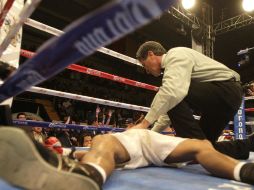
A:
(82, 38)
(239, 122)
(59, 125)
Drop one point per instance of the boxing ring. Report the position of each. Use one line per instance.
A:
(189, 177)
(143, 178)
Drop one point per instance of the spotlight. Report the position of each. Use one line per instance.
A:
(188, 4)
(248, 5)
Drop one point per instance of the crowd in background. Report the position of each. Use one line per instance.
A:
(101, 117)
(67, 138)
(75, 112)
(101, 88)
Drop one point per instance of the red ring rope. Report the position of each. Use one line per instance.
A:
(249, 109)
(100, 74)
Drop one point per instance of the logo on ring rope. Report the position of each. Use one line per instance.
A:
(131, 14)
(57, 125)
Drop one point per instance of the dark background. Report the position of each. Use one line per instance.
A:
(166, 30)
(60, 13)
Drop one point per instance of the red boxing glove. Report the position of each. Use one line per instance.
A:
(54, 144)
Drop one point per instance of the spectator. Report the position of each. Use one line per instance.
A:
(110, 117)
(38, 135)
(21, 116)
(250, 89)
(49, 132)
(64, 137)
(97, 112)
(119, 118)
(87, 140)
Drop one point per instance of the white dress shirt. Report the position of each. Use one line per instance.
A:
(181, 65)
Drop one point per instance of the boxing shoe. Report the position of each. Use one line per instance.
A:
(31, 166)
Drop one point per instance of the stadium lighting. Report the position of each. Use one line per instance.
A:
(248, 5)
(188, 4)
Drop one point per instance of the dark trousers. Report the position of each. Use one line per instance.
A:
(217, 103)
(5, 115)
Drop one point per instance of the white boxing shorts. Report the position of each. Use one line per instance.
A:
(147, 147)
